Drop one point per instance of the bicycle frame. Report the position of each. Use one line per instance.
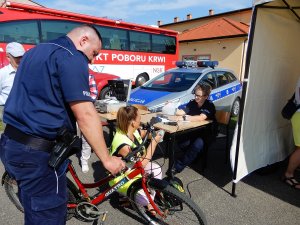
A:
(169, 199)
(137, 169)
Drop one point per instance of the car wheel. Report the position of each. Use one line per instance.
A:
(235, 110)
(141, 79)
(105, 93)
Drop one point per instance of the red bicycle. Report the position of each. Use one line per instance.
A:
(171, 205)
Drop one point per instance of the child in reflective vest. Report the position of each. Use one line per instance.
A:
(128, 136)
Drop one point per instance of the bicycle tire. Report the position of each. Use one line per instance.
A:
(181, 209)
(11, 190)
(72, 198)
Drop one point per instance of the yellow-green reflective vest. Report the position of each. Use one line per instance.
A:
(121, 139)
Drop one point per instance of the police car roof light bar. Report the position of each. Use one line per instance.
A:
(191, 63)
(187, 63)
(207, 63)
(180, 64)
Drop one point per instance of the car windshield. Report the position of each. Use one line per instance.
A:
(172, 81)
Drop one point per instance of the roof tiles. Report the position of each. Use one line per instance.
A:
(223, 27)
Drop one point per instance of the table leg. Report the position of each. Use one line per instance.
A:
(171, 154)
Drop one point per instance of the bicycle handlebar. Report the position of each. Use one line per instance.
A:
(150, 129)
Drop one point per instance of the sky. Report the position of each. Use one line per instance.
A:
(146, 12)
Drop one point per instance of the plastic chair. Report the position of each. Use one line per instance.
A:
(223, 120)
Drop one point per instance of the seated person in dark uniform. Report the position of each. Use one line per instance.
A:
(198, 109)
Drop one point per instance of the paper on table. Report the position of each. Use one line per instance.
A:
(170, 108)
(185, 121)
(163, 120)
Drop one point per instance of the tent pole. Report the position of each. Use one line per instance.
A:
(237, 148)
(290, 8)
(244, 91)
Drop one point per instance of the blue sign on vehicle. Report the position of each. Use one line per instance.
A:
(143, 96)
(225, 92)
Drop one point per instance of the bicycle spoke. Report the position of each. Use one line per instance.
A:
(177, 208)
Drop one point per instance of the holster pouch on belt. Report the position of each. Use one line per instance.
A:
(67, 145)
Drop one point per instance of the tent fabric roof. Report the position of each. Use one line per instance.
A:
(223, 27)
(292, 5)
(217, 15)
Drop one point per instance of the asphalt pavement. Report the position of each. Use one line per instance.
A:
(262, 198)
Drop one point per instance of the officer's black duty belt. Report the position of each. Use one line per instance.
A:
(29, 140)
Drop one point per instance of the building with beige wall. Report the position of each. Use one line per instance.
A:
(222, 37)
(229, 52)
(241, 15)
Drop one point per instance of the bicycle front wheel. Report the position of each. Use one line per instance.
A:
(177, 207)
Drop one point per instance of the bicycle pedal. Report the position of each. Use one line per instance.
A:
(103, 218)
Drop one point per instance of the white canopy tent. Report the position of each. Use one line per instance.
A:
(272, 69)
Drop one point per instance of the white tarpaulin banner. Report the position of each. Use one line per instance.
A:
(274, 69)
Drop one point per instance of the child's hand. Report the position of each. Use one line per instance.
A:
(159, 135)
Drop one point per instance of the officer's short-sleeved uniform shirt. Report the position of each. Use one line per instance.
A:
(208, 108)
(50, 76)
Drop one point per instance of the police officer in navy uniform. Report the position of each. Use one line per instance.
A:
(51, 91)
(198, 109)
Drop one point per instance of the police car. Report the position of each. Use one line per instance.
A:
(177, 86)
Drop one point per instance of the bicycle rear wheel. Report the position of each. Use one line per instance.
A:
(11, 188)
(177, 207)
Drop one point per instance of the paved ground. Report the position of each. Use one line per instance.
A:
(262, 199)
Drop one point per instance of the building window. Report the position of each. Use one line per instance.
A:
(196, 57)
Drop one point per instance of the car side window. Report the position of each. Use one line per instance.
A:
(210, 79)
(222, 79)
(230, 77)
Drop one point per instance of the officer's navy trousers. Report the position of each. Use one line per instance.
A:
(42, 190)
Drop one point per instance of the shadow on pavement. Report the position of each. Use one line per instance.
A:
(99, 172)
(128, 210)
(267, 179)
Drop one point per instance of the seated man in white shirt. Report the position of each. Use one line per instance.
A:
(14, 53)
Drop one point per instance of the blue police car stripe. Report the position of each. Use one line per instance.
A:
(225, 92)
(221, 94)
(143, 96)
